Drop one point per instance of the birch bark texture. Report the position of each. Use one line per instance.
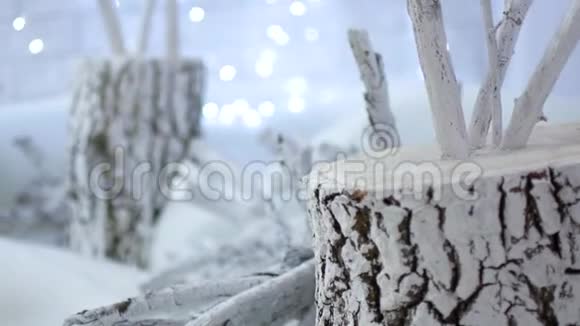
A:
(503, 249)
(128, 127)
(442, 86)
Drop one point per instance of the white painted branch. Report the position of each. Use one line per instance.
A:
(176, 299)
(508, 33)
(273, 302)
(502, 248)
(373, 75)
(493, 68)
(172, 30)
(440, 80)
(112, 26)
(529, 107)
(146, 22)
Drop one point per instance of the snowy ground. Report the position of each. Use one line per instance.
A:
(186, 230)
(42, 286)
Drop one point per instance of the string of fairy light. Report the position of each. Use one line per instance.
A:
(251, 115)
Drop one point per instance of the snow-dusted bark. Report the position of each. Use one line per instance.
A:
(123, 136)
(529, 106)
(507, 36)
(112, 26)
(501, 249)
(442, 87)
(496, 111)
(261, 300)
(272, 303)
(372, 71)
(180, 301)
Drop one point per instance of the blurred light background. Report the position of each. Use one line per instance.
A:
(281, 64)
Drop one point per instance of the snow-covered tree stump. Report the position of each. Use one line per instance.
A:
(130, 120)
(494, 241)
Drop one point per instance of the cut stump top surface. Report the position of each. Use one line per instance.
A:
(550, 146)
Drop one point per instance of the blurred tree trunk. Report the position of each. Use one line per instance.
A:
(130, 118)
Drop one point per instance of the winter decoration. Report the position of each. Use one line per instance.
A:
(414, 239)
(417, 236)
(500, 246)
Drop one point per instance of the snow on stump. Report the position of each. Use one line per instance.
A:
(493, 241)
(131, 120)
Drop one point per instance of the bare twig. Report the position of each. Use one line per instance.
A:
(146, 22)
(440, 80)
(275, 301)
(373, 75)
(529, 107)
(507, 35)
(112, 26)
(493, 71)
